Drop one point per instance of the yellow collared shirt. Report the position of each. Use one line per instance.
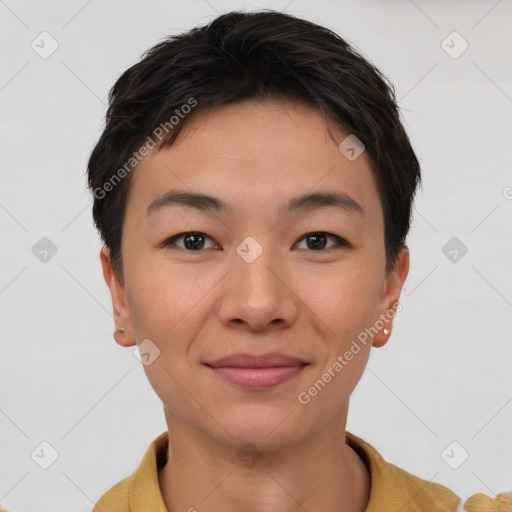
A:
(392, 489)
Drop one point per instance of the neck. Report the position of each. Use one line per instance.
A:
(321, 473)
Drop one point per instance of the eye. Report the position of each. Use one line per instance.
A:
(193, 241)
(317, 241)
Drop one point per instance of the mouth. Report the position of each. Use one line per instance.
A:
(257, 372)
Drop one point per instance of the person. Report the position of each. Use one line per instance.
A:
(253, 189)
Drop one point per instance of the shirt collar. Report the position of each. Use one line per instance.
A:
(144, 489)
(391, 489)
(394, 489)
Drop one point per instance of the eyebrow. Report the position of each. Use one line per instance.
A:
(307, 201)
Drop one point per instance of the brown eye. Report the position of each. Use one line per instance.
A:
(318, 241)
(192, 241)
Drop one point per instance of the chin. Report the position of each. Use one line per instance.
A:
(268, 427)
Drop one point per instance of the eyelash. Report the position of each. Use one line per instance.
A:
(341, 242)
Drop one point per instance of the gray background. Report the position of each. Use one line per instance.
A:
(445, 374)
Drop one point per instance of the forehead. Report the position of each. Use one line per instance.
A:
(253, 154)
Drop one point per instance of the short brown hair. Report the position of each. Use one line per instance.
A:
(253, 55)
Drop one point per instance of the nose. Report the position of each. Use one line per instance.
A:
(258, 296)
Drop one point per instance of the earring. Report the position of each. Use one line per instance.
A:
(121, 329)
(386, 331)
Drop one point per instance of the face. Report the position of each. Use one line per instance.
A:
(261, 272)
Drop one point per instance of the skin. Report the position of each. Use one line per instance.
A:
(198, 306)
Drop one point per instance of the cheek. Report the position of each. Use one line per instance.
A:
(164, 306)
(345, 299)
(347, 304)
(167, 304)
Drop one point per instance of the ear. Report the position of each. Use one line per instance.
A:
(392, 288)
(122, 316)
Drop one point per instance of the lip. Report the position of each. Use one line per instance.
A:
(269, 360)
(257, 371)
